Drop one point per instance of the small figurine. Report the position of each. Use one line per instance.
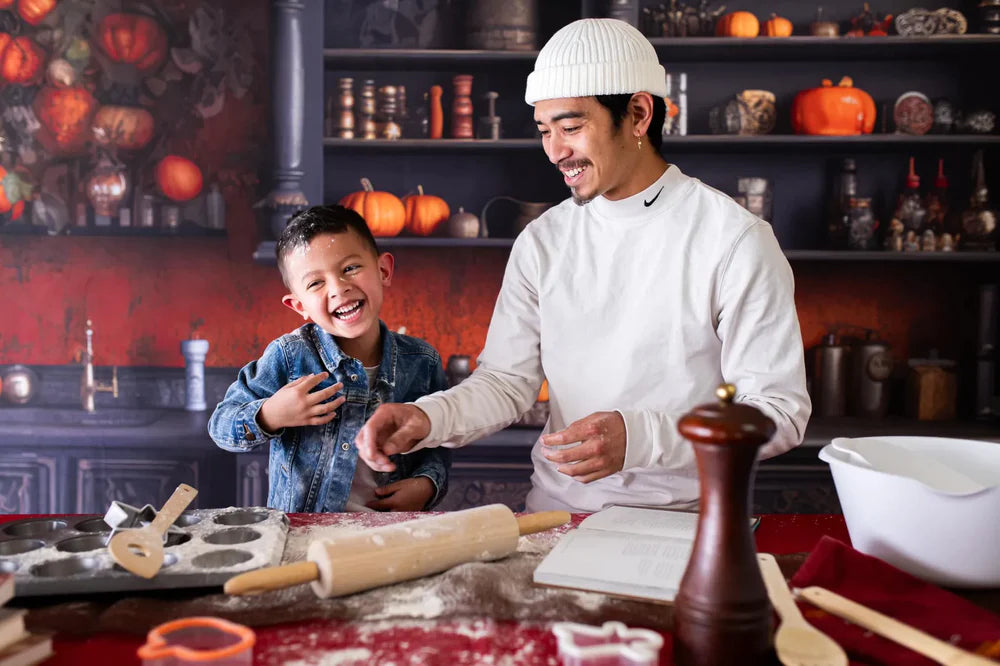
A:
(894, 237)
(947, 243)
(928, 242)
(910, 242)
(869, 23)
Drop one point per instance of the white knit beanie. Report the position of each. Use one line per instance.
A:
(595, 57)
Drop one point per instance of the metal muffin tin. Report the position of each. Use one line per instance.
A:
(69, 554)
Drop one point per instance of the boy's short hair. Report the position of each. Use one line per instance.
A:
(307, 224)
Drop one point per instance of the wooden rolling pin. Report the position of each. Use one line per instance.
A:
(394, 553)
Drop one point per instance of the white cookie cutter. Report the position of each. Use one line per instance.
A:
(583, 645)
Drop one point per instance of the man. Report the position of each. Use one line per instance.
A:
(635, 298)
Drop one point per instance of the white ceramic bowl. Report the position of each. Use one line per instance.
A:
(948, 539)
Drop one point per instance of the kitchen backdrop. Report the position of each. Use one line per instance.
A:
(143, 198)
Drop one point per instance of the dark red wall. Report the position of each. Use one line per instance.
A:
(145, 295)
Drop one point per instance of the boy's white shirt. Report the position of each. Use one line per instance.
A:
(643, 310)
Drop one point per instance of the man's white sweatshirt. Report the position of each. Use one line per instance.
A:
(641, 306)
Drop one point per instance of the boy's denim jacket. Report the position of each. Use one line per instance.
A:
(311, 467)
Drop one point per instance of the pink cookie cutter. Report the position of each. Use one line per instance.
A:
(611, 644)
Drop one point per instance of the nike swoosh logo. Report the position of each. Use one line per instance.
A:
(653, 200)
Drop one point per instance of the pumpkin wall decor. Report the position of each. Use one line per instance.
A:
(21, 59)
(383, 211)
(127, 127)
(178, 178)
(64, 115)
(33, 11)
(777, 26)
(425, 213)
(738, 24)
(830, 110)
(133, 39)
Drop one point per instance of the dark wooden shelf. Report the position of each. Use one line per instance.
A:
(265, 251)
(893, 257)
(184, 231)
(694, 142)
(686, 49)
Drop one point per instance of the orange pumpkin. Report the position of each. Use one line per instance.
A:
(178, 178)
(33, 11)
(425, 213)
(21, 59)
(6, 4)
(64, 115)
(383, 211)
(830, 110)
(127, 127)
(776, 26)
(738, 24)
(134, 39)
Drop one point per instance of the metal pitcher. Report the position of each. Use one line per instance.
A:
(514, 223)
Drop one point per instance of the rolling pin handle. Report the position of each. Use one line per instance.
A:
(541, 521)
(272, 578)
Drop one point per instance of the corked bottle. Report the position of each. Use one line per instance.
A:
(722, 615)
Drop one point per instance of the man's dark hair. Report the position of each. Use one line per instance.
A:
(309, 223)
(618, 106)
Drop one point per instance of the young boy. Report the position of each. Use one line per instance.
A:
(313, 389)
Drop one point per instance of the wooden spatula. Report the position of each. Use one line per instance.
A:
(797, 643)
(140, 550)
(894, 630)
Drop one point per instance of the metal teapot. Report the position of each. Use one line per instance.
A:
(518, 217)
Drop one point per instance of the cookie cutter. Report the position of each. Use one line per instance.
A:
(121, 516)
(198, 640)
(611, 644)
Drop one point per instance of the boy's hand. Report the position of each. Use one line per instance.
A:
(393, 428)
(293, 404)
(411, 494)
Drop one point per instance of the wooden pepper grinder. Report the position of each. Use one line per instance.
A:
(461, 109)
(436, 113)
(722, 615)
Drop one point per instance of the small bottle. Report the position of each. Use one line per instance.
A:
(937, 203)
(979, 220)
(215, 208)
(910, 210)
(194, 352)
(345, 108)
(682, 105)
(367, 111)
(845, 190)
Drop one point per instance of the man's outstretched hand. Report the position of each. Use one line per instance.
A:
(393, 428)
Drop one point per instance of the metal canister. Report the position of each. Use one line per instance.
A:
(506, 26)
(870, 371)
(830, 376)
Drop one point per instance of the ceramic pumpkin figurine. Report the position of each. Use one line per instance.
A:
(776, 26)
(383, 211)
(33, 11)
(830, 110)
(134, 39)
(178, 178)
(738, 24)
(128, 127)
(425, 213)
(21, 59)
(64, 115)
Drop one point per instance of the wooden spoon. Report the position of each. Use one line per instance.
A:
(883, 625)
(140, 550)
(797, 643)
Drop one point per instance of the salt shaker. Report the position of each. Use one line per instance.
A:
(194, 352)
(721, 613)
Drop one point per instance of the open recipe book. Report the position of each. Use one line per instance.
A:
(624, 551)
